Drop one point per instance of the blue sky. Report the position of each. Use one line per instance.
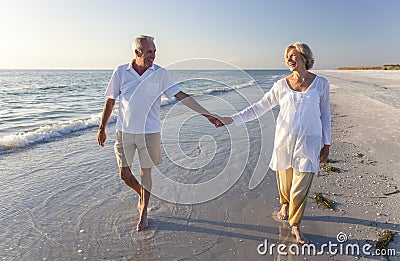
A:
(252, 34)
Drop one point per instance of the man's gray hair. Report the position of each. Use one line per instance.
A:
(137, 43)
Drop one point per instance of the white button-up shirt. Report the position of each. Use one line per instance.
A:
(303, 125)
(140, 97)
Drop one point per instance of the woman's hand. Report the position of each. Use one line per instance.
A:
(323, 155)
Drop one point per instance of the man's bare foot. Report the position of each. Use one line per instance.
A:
(300, 238)
(282, 214)
(142, 224)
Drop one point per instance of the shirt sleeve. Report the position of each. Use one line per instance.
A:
(114, 86)
(169, 87)
(325, 114)
(268, 101)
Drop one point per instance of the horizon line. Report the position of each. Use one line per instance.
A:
(201, 69)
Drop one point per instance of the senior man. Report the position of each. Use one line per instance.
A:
(138, 85)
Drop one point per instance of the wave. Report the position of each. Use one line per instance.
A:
(39, 90)
(54, 87)
(229, 88)
(211, 91)
(49, 132)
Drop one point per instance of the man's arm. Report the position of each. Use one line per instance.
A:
(101, 133)
(194, 105)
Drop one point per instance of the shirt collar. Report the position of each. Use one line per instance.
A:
(129, 67)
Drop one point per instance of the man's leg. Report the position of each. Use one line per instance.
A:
(145, 189)
(129, 179)
(149, 150)
(124, 149)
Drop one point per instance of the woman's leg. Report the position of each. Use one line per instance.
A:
(301, 184)
(284, 181)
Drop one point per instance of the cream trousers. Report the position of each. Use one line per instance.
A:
(294, 187)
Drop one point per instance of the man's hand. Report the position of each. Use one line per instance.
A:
(214, 120)
(323, 156)
(223, 121)
(101, 137)
(101, 133)
(192, 104)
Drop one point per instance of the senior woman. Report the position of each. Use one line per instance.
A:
(303, 131)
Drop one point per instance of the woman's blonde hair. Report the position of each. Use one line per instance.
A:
(305, 52)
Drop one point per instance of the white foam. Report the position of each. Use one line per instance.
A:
(48, 132)
(228, 88)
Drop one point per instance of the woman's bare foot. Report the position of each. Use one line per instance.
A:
(282, 214)
(300, 238)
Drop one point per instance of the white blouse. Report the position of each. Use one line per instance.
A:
(303, 125)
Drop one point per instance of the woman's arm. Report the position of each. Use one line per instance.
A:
(268, 101)
(326, 122)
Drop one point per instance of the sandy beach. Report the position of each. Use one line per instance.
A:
(84, 211)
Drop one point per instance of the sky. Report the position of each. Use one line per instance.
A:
(251, 34)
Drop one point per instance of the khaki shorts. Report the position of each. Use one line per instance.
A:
(148, 146)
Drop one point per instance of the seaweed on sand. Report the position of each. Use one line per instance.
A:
(322, 201)
(331, 168)
(384, 240)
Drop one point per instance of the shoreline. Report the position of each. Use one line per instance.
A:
(383, 67)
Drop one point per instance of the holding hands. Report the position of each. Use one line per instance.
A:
(224, 121)
(219, 121)
(214, 120)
